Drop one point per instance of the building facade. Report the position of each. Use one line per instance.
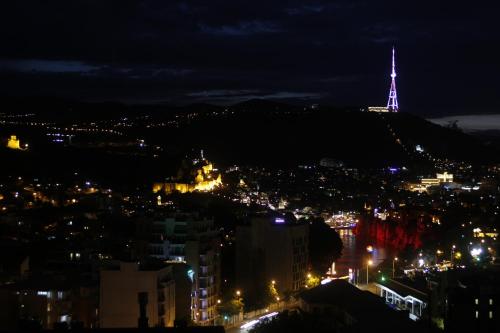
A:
(270, 249)
(195, 241)
(120, 290)
(48, 302)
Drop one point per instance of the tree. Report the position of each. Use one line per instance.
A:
(312, 281)
(272, 292)
(325, 246)
(231, 307)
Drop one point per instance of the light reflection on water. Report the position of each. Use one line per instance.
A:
(355, 255)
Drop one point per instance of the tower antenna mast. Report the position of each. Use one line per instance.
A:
(392, 103)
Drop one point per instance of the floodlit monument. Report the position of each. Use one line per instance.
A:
(14, 143)
(392, 103)
(199, 176)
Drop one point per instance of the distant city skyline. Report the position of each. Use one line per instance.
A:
(329, 52)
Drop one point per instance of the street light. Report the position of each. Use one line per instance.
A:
(438, 253)
(393, 268)
(238, 293)
(452, 252)
(368, 264)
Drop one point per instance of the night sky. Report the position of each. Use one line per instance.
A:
(330, 52)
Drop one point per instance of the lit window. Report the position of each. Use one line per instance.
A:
(477, 314)
(477, 301)
(490, 314)
(491, 301)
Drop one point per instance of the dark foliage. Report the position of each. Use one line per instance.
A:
(292, 322)
(325, 245)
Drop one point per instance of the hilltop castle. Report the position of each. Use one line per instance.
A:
(200, 175)
(14, 143)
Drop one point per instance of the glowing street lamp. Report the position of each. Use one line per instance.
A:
(393, 268)
(438, 253)
(452, 253)
(368, 264)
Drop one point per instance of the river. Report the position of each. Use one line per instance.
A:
(355, 254)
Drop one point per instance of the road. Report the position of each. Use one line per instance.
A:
(249, 323)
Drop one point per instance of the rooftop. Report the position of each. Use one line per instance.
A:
(366, 308)
(406, 288)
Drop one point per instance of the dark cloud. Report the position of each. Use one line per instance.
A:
(241, 29)
(336, 51)
(305, 9)
(235, 96)
(46, 66)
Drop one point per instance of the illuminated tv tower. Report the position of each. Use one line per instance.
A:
(392, 104)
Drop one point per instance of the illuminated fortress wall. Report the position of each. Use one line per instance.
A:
(205, 181)
(13, 143)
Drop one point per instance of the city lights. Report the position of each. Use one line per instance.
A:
(476, 251)
(219, 175)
